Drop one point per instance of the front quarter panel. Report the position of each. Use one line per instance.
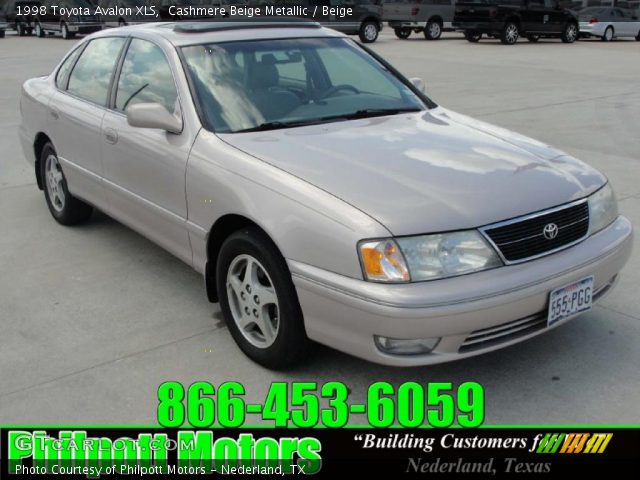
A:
(306, 223)
(34, 102)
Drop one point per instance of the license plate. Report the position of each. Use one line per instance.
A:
(570, 300)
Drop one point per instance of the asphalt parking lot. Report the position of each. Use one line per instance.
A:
(94, 318)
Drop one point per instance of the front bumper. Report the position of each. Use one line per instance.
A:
(346, 313)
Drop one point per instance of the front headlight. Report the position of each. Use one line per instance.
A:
(426, 257)
(603, 209)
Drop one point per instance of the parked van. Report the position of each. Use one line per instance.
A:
(431, 17)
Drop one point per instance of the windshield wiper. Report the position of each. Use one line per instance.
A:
(364, 113)
(276, 125)
(378, 112)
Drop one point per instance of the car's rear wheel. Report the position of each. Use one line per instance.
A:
(258, 300)
(122, 23)
(533, 38)
(510, 33)
(402, 33)
(608, 35)
(433, 30)
(369, 31)
(1, 33)
(39, 30)
(472, 37)
(570, 33)
(638, 36)
(22, 31)
(64, 207)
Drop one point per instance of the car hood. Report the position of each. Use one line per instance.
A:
(425, 172)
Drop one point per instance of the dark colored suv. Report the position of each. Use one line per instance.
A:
(50, 20)
(510, 19)
(19, 15)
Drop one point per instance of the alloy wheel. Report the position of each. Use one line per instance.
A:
(253, 301)
(434, 30)
(55, 183)
(370, 32)
(511, 33)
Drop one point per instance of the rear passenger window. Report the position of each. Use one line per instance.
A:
(65, 68)
(91, 76)
(146, 78)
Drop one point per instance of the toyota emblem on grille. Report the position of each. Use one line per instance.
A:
(550, 231)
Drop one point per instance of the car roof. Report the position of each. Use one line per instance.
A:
(200, 32)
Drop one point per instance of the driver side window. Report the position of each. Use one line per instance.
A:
(146, 78)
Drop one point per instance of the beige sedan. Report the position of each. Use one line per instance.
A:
(323, 196)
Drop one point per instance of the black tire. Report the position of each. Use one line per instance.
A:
(122, 23)
(533, 38)
(402, 33)
(433, 30)
(510, 33)
(369, 31)
(638, 37)
(570, 33)
(472, 37)
(1, 33)
(39, 31)
(608, 34)
(22, 31)
(73, 210)
(291, 344)
(66, 34)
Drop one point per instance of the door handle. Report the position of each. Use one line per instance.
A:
(110, 136)
(54, 113)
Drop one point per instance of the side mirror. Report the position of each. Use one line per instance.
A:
(418, 83)
(153, 115)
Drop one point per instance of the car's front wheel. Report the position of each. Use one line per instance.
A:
(1, 33)
(402, 33)
(570, 33)
(369, 31)
(510, 33)
(22, 31)
(259, 301)
(39, 30)
(64, 207)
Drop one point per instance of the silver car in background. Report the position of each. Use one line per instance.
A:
(609, 23)
(320, 193)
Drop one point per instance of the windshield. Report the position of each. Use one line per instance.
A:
(266, 84)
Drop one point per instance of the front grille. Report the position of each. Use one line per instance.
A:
(490, 336)
(522, 239)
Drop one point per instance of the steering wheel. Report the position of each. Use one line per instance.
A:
(335, 89)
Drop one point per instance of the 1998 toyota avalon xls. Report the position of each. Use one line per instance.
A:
(322, 194)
